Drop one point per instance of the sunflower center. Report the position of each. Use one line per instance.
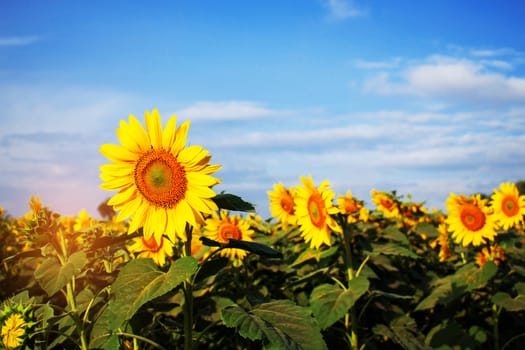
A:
(350, 205)
(152, 244)
(287, 204)
(472, 217)
(509, 206)
(228, 231)
(316, 210)
(387, 203)
(161, 178)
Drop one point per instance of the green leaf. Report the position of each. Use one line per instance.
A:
(403, 330)
(509, 303)
(278, 324)
(392, 249)
(468, 278)
(232, 202)
(450, 335)
(394, 234)
(316, 254)
(52, 276)
(424, 228)
(330, 302)
(139, 282)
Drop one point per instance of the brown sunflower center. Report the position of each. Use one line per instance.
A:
(161, 178)
(316, 210)
(509, 206)
(228, 231)
(472, 217)
(387, 203)
(287, 203)
(152, 244)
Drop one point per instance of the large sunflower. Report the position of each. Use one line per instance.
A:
(223, 226)
(282, 204)
(508, 205)
(469, 219)
(314, 207)
(162, 184)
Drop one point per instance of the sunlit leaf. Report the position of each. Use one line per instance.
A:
(139, 282)
(278, 324)
(392, 249)
(52, 276)
(330, 302)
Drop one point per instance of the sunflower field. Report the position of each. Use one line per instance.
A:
(173, 264)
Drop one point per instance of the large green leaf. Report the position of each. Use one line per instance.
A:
(427, 229)
(52, 276)
(278, 324)
(139, 282)
(392, 249)
(450, 335)
(404, 331)
(509, 303)
(466, 279)
(330, 302)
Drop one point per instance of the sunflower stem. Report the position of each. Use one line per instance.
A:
(188, 297)
(347, 235)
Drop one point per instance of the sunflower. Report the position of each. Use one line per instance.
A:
(153, 249)
(223, 226)
(13, 331)
(162, 184)
(314, 207)
(386, 203)
(469, 219)
(494, 254)
(508, 206)
(352, 207)
(282, 204)
(442, 241)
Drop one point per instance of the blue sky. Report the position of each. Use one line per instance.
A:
(422, 97)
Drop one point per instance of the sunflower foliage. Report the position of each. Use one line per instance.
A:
(174, 265)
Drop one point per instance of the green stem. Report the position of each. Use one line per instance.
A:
(354, 341)
(495, 320)
(188, 298)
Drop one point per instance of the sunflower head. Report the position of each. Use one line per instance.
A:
(282, 204)
(223, 226)
(314, 208)
(386, 203)
(494, 254)
(162, 184)
(508, 206)
(158, 251)
(351, 207)
(469, 219)
(16, 319)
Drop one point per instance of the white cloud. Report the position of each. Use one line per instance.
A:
(227, 110)
(452, 78)
(17, 40)
(342, 9)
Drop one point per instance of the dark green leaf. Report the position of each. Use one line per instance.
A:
(254, 247)
(278, 324)
(392, 249)
(424, 228)
(232, 202)
(508, 302)
(330, 302)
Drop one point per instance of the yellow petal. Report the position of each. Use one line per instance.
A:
(115, 183)
(125, 195)
(180, 138)
(201, 191)
(168, 136)
(191, 154)
(139, 134)
(138, 219)
(118, 169)
(129, 209)
(118, 153)
(154, 127)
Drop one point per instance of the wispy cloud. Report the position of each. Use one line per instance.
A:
(343, 9)
(227, 110)
(452, 78)
(387, 64)
(17, 40)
